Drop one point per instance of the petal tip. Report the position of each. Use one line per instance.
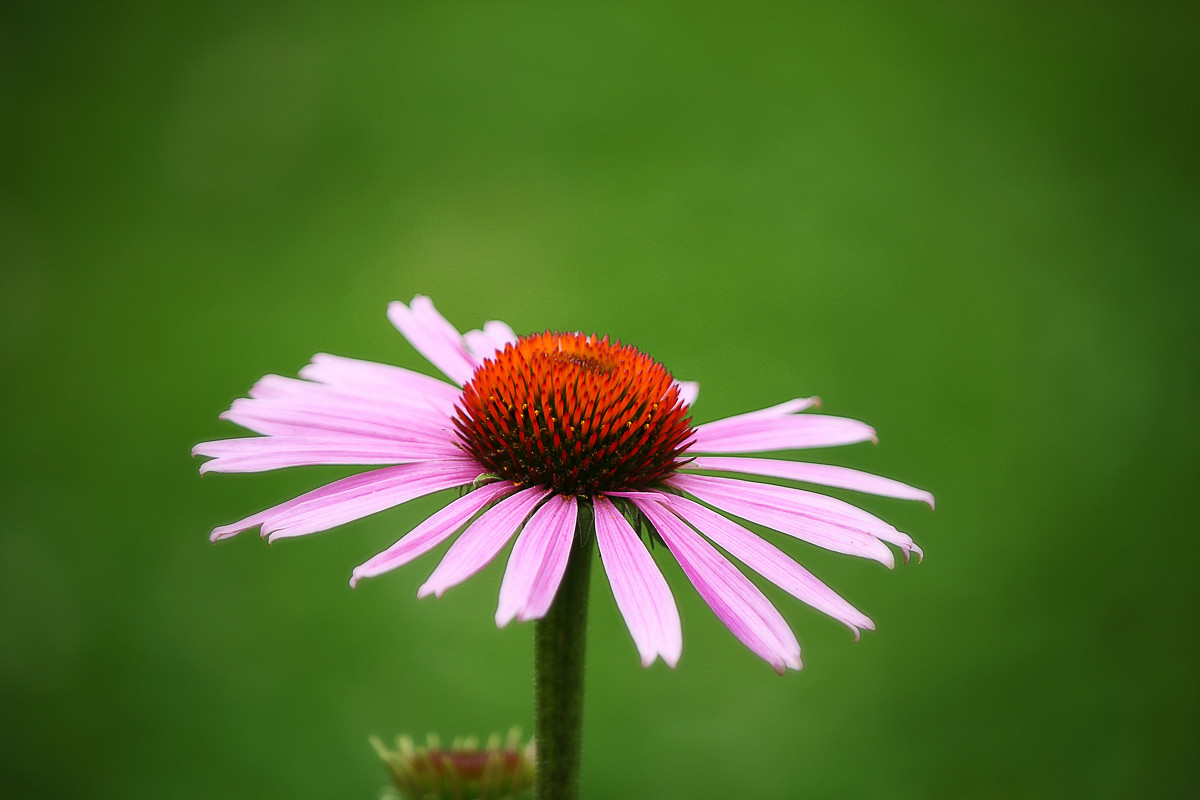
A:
(398, 313)
(225, 532)
(427, 588)
(783, 665)
(864, 624)
(886, 558)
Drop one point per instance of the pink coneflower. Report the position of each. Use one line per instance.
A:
(541, 432)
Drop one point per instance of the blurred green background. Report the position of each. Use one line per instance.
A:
(974, 225)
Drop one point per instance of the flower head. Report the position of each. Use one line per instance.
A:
(578, 415)
(463, 771)
(539, 429)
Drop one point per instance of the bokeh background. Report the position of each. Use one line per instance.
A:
(974, 225)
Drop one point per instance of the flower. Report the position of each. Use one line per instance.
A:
(464, 771)
(542, 429)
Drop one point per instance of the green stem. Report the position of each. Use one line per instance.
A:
(558, 653)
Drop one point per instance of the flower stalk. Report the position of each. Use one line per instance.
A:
(560, 639)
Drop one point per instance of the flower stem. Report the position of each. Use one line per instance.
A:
(558, 653)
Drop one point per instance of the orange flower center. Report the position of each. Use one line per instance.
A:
(574, 413)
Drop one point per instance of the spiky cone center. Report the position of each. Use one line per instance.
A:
(577, 414)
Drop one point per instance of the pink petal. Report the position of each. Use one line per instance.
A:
(380, 380)
(771, 412)
(288, 418)
(818, 507)
(794, 512)
(262, 453)
(351, 483)
(288, 407)
(780, 433)
(688, 391)
(768, 561)
(823, 474)
(354, 497)
(537, 562)
(480, 543)
(484, 344)
(432, 532)
(736, 601)
(641, 592)
(410, 482)
(433, 337)
(309, 394)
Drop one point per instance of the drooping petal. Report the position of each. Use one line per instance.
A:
(642, 594)
(789, 432)
(823, 474)
(479, 544)
(815, 518)
(432, 532)
(810, 504)
(409, 482)
(381, 380)
(768, 561)
(280, 406)
(400, 406)
(483, 344)
(263, 453)
(537, 562)
(433, 337)
(353, 498)
(737, 602)
(285, 419)
(720, 426)
(788, 519)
